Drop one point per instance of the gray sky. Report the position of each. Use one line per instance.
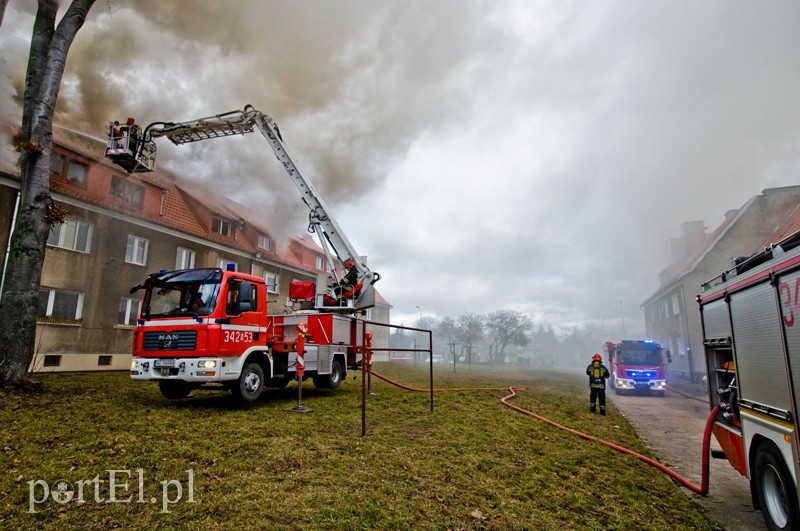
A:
(485, 155)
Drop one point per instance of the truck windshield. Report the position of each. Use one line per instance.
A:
(181, 293)
(640, 357)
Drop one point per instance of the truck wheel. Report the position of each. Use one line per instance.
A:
(174, 389)
(250, 384)
(776, 491)
(332, 380)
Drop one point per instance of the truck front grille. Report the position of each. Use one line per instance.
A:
(182, 340)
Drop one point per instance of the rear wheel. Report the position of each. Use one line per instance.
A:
(174, 389)
(250, 384)
(332, 380)
(776, 491)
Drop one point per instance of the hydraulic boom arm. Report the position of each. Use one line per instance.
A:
(139, 155)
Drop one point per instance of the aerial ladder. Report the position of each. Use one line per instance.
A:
(135, 150)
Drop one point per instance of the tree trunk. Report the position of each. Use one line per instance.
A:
(20, 298)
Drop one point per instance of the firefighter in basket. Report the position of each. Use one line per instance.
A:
(348, 282)
(597, 373)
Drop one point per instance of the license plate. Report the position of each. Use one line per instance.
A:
(163, 363)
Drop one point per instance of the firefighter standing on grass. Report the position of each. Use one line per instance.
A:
(597, 373)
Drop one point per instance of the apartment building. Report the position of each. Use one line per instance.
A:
(671, 313)
(120, 227)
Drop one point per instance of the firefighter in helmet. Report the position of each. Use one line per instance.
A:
(348, 282)
(597, 373)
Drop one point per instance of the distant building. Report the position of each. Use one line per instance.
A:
(121, 227)
(671, 313)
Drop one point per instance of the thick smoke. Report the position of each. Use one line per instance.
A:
(537, 155)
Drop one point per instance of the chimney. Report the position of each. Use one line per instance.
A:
(694, 236)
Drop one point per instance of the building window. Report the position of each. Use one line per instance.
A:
(220, 226)
(128, 310)
(271, 280)
(52, 360)
(57, 163)
(127, 191)
(103, 361)
(184, 259)
(264, 242)
(72, 234)
(60, 304)
(136, 251)
(223, 264)
(320, 263)
(76, 173)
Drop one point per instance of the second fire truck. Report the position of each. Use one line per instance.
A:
(637, 365)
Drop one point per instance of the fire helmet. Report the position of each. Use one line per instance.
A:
(349, 263)
(597, 357)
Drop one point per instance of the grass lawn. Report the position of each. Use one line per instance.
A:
(472, 463)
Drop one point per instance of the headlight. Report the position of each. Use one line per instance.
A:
(134, 363)
(207, 364)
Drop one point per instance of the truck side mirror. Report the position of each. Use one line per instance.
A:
(669, 356)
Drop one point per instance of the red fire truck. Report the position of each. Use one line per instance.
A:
(204, 327)
(637, 365)
(751, 335)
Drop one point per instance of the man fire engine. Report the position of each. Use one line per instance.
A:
(210, 326)
(751, 332)
(637, 365)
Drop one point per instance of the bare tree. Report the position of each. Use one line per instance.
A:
(19, 304)
(506, 327)
(470, 330)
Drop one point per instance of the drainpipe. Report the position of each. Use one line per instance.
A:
(688, 336)
(8, 247)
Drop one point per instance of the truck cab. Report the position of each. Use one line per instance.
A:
(199, 326)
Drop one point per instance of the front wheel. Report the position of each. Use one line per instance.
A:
(776, 491)
(250, 384)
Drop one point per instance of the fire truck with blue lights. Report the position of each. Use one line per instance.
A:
(210, 327)
(637, 365)
(751, 333)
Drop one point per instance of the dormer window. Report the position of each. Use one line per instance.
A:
(264, 243)
(74, 172)
(127, 191)
(220, 226)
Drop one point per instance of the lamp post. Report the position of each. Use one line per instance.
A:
(622, 319)
(419, 324)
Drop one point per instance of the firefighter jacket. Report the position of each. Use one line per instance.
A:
(597, 373)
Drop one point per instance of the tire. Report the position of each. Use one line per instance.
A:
(776, 491)
(174, 389)
(250, 384)
(332, 380)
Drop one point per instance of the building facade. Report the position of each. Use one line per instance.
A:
(671, 313)
(120, 227)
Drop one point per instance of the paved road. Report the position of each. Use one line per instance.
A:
(672, 427)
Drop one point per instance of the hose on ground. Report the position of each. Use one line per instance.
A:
(699, 489)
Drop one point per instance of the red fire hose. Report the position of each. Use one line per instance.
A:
(702, 489)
